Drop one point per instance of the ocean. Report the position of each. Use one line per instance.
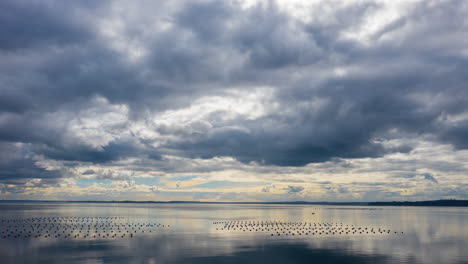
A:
(230, 233)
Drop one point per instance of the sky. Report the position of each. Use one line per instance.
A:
(234, 100)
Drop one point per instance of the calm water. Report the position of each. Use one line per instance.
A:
(198, 233)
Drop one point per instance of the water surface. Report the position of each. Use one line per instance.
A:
(199, 233)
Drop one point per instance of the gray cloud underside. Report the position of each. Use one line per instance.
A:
(294, 189)
(55, 62)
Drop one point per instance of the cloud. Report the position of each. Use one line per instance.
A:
(426, 176)
(294, 189)
(129, 183)
(221, 86)
(110, 175)
(89, 172)
(267, 188)
(314, 121)
(429, 177)
(52, 26)
(17, 164)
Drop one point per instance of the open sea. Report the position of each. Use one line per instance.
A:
(230, 233)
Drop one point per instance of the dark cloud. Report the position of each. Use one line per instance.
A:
(294, 189)
(359, 107)
(426, 176)
(29, 24)
(18, 165)
(456, 134)
(111, 152)
(89, 172)
(331, 97)
(303, 139)
(430, 177)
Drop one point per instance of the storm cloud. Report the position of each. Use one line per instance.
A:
(94, 86)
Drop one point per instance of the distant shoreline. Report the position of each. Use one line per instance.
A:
(440, 203)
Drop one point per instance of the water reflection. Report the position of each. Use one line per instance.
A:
(431, 235)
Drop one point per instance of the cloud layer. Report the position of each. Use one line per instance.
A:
(262, 99)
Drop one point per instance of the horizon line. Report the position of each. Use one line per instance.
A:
(440, 202)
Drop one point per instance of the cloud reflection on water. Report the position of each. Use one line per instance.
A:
(431, 235)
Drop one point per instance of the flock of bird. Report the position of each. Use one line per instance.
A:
(278, 228)
(120, 227)
(74, 227)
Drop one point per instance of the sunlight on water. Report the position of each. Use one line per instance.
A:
(212, 233)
